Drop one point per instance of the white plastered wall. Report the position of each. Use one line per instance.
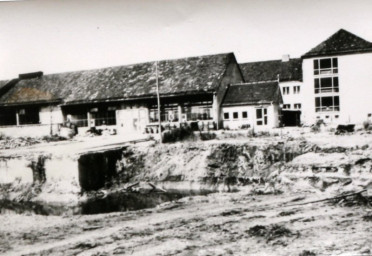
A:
(272, 117)
(355, 90)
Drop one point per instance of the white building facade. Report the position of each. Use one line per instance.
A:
(337, 81)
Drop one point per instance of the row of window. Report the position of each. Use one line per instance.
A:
(295, 106)
(169, 113)
(235, 115)
(286, 90)
(261, 116)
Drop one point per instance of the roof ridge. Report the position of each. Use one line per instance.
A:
(140, 63)
(341, 42)
(279, 60)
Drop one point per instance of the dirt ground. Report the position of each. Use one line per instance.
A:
(239, 223)
(217, 224)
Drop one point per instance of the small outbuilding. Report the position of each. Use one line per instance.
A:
(252, 105)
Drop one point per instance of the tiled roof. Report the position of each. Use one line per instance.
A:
(269, 70)
(342, 42)
(252, 94)
(180, 76)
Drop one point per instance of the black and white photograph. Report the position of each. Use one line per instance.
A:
(186, 127)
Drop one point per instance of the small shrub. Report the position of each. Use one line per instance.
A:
(367, 125)
(53, 138)
(315, 128)
(207, 136)
(177, 134)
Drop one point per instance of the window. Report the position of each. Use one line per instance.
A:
(325, 104)
(235, 115)
(226, 116)
(104, 117)
(29, 116)
(198, 111)
(326, 84)
(8, 117)
(261, 116)
(168, 112)
(286, 106)
(285, 90)
(297, 106)
(296, 89)
(325, 66)
(245, 114)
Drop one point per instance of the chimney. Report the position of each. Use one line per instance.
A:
(30, 75)
(285, 58)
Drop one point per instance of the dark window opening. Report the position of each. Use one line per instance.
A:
(235, 115)
(8, 117)
(226, 116)
(29, 116)
(245, 114)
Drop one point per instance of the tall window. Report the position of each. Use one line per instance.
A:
(296, 89)
(236, 115)
(245, 114)
(261, 116)
(285, 90)
(326, 84)
(325, 66)
(325, 104)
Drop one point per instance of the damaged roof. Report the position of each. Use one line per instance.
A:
(201, 74)
(342, 42)
(269, 70)
(253, 94)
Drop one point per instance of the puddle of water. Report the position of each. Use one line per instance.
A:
(116, 202)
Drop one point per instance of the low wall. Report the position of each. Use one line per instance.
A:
(35, 130)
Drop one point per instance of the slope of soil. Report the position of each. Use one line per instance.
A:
(217, 224)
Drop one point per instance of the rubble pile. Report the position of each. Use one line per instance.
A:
(11, 143)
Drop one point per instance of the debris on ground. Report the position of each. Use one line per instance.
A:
(271, 232)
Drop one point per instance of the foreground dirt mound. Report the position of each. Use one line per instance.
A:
(280, 164)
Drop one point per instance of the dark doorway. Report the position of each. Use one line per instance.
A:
(291, 118)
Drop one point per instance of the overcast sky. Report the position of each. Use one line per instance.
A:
(66, 35)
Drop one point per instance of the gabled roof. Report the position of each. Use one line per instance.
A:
(340, 43)
(269, 70)
(252, 94)
(194, 75)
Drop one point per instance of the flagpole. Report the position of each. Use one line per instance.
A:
(158, 96)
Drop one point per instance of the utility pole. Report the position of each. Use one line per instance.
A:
(158, 96)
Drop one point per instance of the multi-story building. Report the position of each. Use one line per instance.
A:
(337, 80)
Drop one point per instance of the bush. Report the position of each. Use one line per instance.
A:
(367, 125)
(53, 138)
(207, 136)
(315, 128)
(177, 134)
